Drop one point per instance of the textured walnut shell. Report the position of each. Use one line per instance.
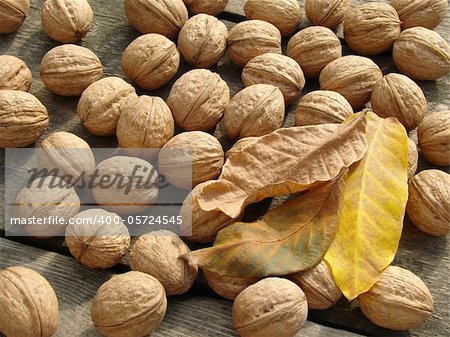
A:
(66, 21)
(422, 54)
(371, 28)
(211, 7)
(226, 286)
(398, 301)
(325, 12)
(278, 70)
(198, 100)
(129, 305)
(28, 304)
(283, 14)
(413, 158)
(240, 145)
(424, 13)
(271, 307)
(69, 69)
(353, 77)
(23, 118)
(313, 48)
(191, 158)
(398, 96)
(434, 138)
(159, 254)
(151, 61)
(12, 14)
(14, 74)
(249, 39)
(429, 202)
(254, 111)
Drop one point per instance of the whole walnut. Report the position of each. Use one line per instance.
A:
(159, 254)
(165, 17)
(69, 69)
(198, 100)
(23, 118)
(28, 303)
(226, 286)
(191, 158)
(130, 304)
(254, 111)
(203, 40)
(102, 103)
(413, 158)
(327, 13)
(271, 307)
(211, 7)
(371, 28)
(313, 48)
(251, 38)
(398, 301)
(429, 202)
(424, 13)
(240, 145)
(283, 14)
(421, 54)
(278, 70)
(14, 74)
(66, 21)
(353, 77)
(398, 96)
(12, 14)
(97, 238)
(151, 61)
(434, 138)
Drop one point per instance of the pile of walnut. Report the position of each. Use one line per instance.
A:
(198, 101)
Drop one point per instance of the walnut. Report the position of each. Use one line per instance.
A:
(29, 304)
(240, 145)
(398, 301)
(159, 254)
(421, 54)
(313, 48)
(249, 39)
(151, 61)
(14, 74)
(12, 14)
(353, 77)
(69, 69)
(424, 13)
(66, 21)
(398, 96)
(23, 118)
(326, 13)
(211, 7)
(191, 158)
(429, 202)
(283, 14)
(226, 286)
(203, 40)
(130, 304)
(271, 307)
(413, 158)
(278, 70)
(434, 138)
(198, 100)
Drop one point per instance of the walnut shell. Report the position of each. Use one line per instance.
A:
(226, 286)
(424, 13)
(434, 138)
(29, 304)
(23, 118)
(371, 28)
(151, 61)
(278, 70)
(12, 15)
(313, 48)
(14, 74)
(211, 7)
(326, 13)
(69, 69)
(66, 21)
(130, 304)
(102, 103)
(191, 158)
(254, 111)
(429, 202)
(271, 307)
(421, 54)
(240, 145)
(398, 96)
(203, 40)
(398, 301)
(159, 254)
(283, 14)
(353, 77)
(413, 158)
(249, 39)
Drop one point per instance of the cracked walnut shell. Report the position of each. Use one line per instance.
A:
(14, 74)
(12, 14)
(327, 13)
(434, 138)
(423, 13)
(226, 286)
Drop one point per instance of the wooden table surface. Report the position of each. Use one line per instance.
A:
(199, 313)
